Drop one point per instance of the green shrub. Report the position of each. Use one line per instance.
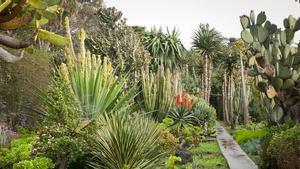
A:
(266, 160)
(20, 149)
(285, 148)
(242, 136)
(205, 113)
(168, 141)
(124, 142)
(37, 163)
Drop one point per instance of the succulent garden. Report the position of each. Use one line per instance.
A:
(81, 88)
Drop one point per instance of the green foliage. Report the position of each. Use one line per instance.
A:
(171, 162)
(61, 143)
(285, 147)
(168, 141)
(158, 91)
(36, 163)
(166, 49)
(242, 136)
(20, 149)
(207, 40)
(276, 61)
(126, 142)
(117, 41)
(94, 83)
(206, 155)
(205, 113)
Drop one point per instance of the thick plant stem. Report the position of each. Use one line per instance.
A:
(244, 92)
(206, 76)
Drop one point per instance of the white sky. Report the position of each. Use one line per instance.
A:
(187, 14)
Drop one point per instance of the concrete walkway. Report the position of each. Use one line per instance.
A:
(235, 156)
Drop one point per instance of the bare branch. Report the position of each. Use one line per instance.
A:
(14, 43)
(8, 57)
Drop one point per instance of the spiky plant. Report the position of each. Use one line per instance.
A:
(125, 142)
(158, 91)
(93, 82)
(208, 41)
(166, 49)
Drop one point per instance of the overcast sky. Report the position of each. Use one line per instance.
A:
(187, 14)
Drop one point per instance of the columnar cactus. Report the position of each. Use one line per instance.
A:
(275, 58)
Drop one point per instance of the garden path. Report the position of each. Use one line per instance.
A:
(235, 156)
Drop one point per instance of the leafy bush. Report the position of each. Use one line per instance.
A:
(125, 142)
(168, 141)
(242, 136)
(285, 148)
(62, 144)
(267, 160)
(37, 163)
(205, 113)
(171, 162)
(20, 149)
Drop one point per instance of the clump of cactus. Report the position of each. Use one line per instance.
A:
(276, 59)
(158, 91)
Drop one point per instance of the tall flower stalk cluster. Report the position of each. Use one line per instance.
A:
(158, 89)
(92, 81)
(182, 101)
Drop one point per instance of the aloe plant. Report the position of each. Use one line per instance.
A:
(276, 60)
(158, 91)
(93, 81)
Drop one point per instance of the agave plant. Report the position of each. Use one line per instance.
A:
(125, 142)
(93, 81)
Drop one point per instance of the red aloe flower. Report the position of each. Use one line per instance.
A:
(191, 105)
(185, 100)
(178, 101)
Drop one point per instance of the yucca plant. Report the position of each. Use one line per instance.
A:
(93, 81)
(158, 91)
(126, 142)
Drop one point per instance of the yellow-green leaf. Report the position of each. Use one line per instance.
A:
(53, 38)
(4, 5)
(38, 4)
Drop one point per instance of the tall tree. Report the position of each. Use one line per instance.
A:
(208, 41)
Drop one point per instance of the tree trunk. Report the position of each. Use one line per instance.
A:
(244, 92)
(205, 77)
(210, 67)
(225, 97)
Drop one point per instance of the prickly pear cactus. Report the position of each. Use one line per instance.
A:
(276, 59)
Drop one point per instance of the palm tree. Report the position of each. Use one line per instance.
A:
(208, 42)
(166, 49)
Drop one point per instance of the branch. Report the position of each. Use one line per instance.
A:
(8, 57)
(14, 43)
